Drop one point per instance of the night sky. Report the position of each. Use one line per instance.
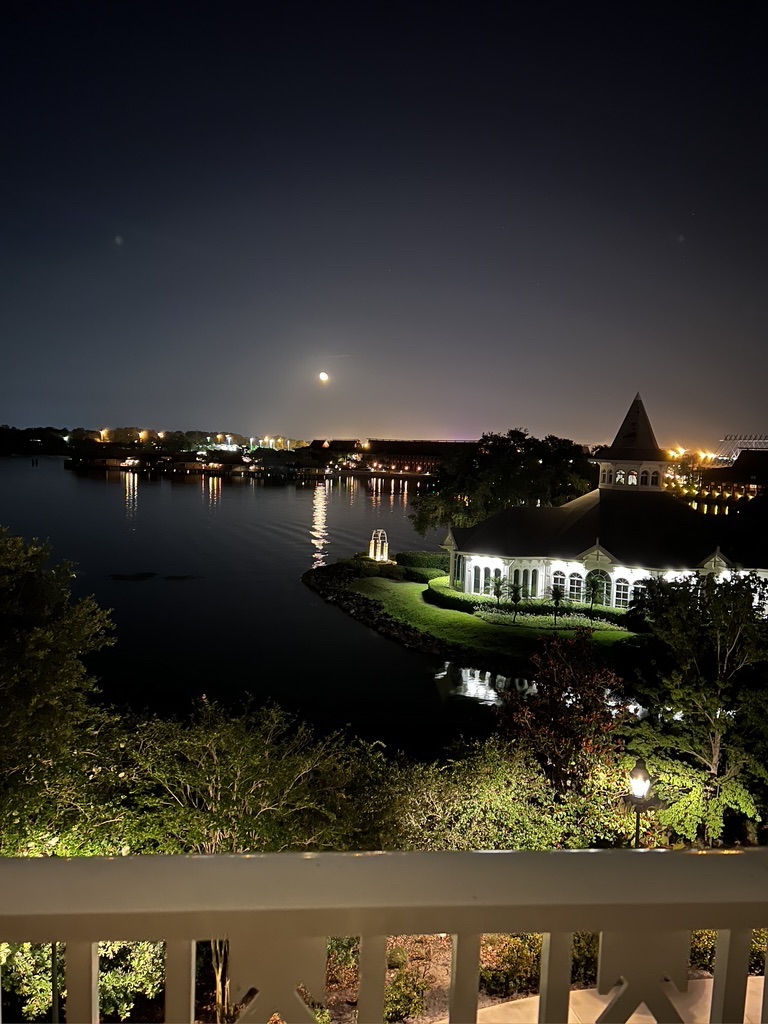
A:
(471, 216)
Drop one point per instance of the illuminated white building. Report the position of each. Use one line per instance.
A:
(625, 530)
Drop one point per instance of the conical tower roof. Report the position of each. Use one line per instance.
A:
(635, 440)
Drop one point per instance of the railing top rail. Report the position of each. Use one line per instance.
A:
(620, 879)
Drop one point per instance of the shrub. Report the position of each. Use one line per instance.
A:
(568, 620)
(704, 948)
(404, 995)
(342, 963)
(442, 594)
(584, 959)
(424, 559)
(396, 958)
(510, 963)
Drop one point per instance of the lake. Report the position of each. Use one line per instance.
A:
(203, 575)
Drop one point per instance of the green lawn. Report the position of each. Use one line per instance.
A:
(405, 602)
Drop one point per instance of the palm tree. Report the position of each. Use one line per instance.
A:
(594, 588)
(498, 588)
(515, 592)
(557, 596)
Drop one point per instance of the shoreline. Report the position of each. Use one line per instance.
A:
(331, 582)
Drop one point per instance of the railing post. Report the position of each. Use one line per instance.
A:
(180, 982)
(372, 971)
(555, 983)
(82, 974)
(729, 988)
(464, 971)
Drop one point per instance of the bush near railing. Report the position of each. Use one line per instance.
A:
(509, 964)
(704, 943)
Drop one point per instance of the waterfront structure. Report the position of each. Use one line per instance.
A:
(384, 455)
(606, 542)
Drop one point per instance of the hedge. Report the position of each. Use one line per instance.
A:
(424, 559)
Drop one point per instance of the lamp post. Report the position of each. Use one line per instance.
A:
(639, 785)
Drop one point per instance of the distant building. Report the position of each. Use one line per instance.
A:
(384, 455)
(625, 530)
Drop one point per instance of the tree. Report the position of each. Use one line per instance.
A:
(594, 590)
(707, 706)
(515, 592)
(572, 715)
(499, 588)
(219, 783)
(256, 782)
(501, 471)
(556, 596)
(45, 689)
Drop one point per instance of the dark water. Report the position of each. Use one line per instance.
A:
(208, 598)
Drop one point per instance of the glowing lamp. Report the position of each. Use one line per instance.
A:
(639, 780)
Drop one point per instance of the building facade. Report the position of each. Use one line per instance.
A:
(608, 541)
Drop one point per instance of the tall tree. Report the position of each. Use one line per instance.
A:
(503, 470)
(707, 706)
(45, 688)
(572, 716)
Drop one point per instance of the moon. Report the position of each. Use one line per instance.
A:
(323, 376)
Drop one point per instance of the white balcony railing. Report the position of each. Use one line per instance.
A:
(277, 911)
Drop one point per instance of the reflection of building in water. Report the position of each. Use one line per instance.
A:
(319, 531)
(131, 495)
(478, 684)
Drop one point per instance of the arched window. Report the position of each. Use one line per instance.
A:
(622, 593)
(575, 586)
(644, 478)
(558, 580)
(525, 583)
(602, 476)
(610, 476)
(598, 587)
(654, 479)
(516, 577)
(534, 582)
(486, 581)
(476, 580)
(637, 591)
(632, 478)
(497, 573)
(619, 476)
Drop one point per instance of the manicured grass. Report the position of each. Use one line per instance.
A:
(405, 602)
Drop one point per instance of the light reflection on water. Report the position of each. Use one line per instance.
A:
(131, 486)
(479, 684)
(319, 529)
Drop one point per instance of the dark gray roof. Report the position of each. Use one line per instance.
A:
(648, 529)
(635, 440)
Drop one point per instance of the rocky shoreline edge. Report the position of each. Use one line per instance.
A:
(332, 582)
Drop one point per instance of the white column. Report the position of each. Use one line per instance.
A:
(372, 971)
(180, 982)
(555, 984)
(729, 988)
(464, 974)
(82, 976)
